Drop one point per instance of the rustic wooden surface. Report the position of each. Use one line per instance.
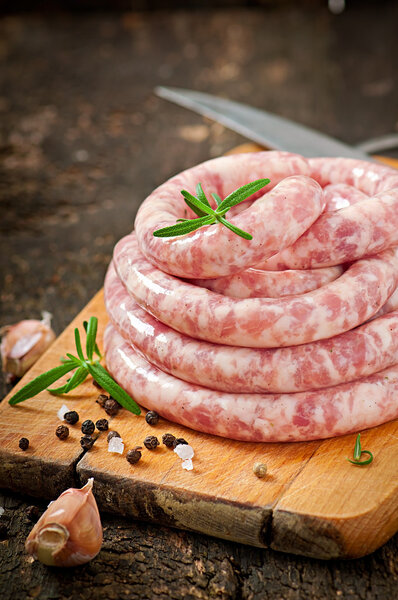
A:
(305, 505)
(82, 141)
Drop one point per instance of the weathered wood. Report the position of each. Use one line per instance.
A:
(48, 466)
(141, 561)
(312, 502)
(80, 148)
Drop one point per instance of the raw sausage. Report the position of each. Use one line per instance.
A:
(290, 336)
(361, 229)
(258, 322)
(357, 353)
(256, 283)
(275, 220)
(254, 417)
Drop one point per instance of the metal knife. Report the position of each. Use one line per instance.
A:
(263, 127)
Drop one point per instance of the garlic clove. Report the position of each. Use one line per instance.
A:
(23, 343)
(69, 533)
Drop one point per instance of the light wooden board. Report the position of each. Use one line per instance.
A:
(312, 502)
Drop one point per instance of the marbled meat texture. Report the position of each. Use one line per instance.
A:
(290, 336)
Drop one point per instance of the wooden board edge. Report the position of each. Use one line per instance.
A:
(178, 508)
(34, 476)
(332, 538)
(261, 526)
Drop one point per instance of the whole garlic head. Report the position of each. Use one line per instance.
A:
(69, 533)
(23, 343)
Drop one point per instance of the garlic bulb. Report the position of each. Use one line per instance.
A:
(23, 343)
(69, 533)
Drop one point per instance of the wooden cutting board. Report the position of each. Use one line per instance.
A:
(312, 502)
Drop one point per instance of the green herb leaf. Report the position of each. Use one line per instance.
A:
(357, 448)
(77, 378)
(360, 463)
(102, 377)
(96, 349)
(216, 198)
(73, 358)
(183, 228)
(197, 205)
(207, 216)
(201, 195)
(358, 453)
(41, 382)
(237, 196)
(78, 344)
(91, 335)
(235, 229)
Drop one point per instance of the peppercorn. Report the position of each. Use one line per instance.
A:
(33, 513)
(62, 432)
(152, 417)
(88, 427)
(151, 442)
(178, 441)
(102, 398)
(134, 455)
(102, 424)
(260, 469)
(24, 443)
(87, 442)
(97, 385)
(111, 435)
(71, 417)
(168, 440)
(111, 407)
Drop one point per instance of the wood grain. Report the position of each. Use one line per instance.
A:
(312, 502)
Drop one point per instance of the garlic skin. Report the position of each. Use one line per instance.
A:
(23, 343)
(69, 533)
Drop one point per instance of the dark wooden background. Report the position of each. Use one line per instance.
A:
(83, 140)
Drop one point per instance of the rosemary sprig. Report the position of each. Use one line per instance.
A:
(358, 453)
(82, 367)
(200, 205)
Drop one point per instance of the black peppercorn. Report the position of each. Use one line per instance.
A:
(33, 513)
(97, 385)
(152, 417)
(71, 417)
(102, 398)
(62, 432)
(168, 440)
(88, 427)
(151, 442)
(178, 441)
(111, 435)
(102, 425)
(111, 407)
(24, 443)
(87, 442)
(134, 455)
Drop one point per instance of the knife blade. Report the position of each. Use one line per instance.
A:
(260, 126)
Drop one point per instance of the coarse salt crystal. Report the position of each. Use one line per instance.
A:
(116, 445)
(184, 451)
(61, 413)
(2, 510)
(187, 464)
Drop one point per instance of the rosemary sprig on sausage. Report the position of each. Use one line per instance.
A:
(200, 205)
